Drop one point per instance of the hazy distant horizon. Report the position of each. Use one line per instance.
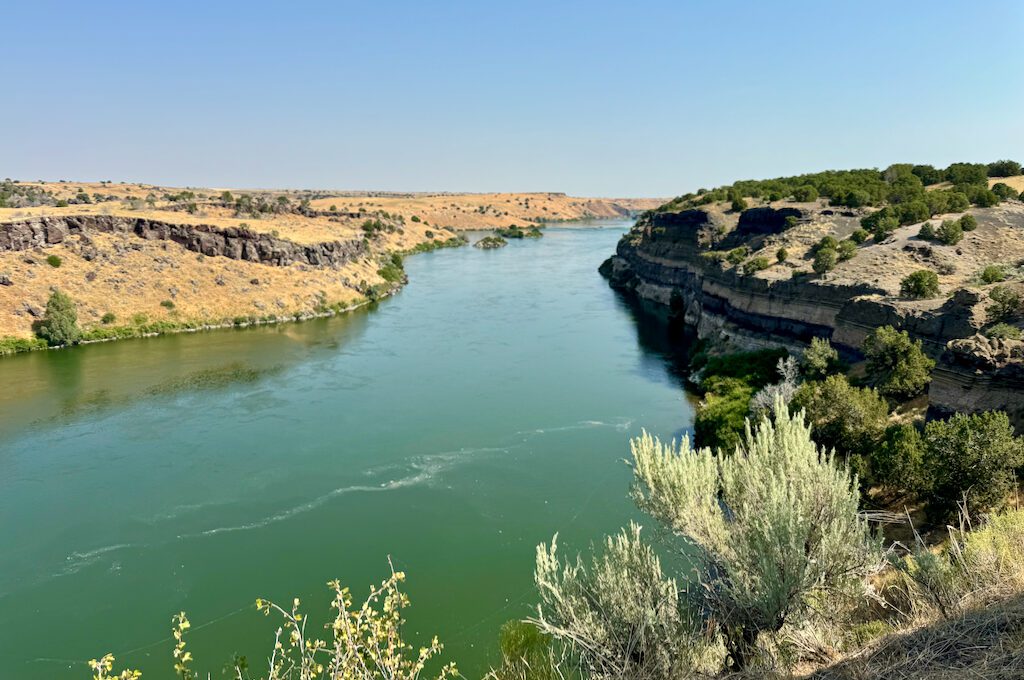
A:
(589, 99)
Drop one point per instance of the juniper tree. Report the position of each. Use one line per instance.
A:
(59, 325)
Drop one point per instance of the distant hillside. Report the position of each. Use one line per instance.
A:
(138, 258)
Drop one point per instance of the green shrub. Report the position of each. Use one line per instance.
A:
(898, 462)
(526, 652)
(59, 325)
(1006, 303)
(167, 304)
(393, 270)
(824, 261)
(108, 318)
(984, 198)
(1003, 331)
(619, 613)
(776, 529)
(884, 228)
(968, 223)
(927, 174)
(847, 250)
(781, 255)
(11, 345)
(912, 211)
(757, 368)
(859, 236)
(739, 204)
(756, 264)
(737, 255)
(820, 360)
(1003, 191)
(827, 242)
(896, 365)
(721, 413)
(949, 232)
(53, 260)
(922, 284)
(993, 273)
(851, 420)
(971, 459)
(926, 232)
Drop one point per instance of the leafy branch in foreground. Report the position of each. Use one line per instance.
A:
(365, 642)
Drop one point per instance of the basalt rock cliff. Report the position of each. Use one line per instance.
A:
(231, 242)
(679, 260)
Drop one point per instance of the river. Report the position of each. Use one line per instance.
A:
(453, 427)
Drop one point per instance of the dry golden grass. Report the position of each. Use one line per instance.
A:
(484, 211)
(997, 240)
(987, 643)
(131, 277)
(1016, 182)
(135, 276)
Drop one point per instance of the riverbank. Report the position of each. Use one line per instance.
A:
(139, 260)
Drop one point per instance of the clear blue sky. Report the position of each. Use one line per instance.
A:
(592, 98)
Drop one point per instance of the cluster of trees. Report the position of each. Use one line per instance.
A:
(15, 195)
(515, 231)
(246, 205)
(969, 459)
(374, 226)
(828, 252)
(949, 232)
(898, 184)
(393, 269)
(883, 222)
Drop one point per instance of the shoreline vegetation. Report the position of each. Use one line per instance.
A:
(392, 273)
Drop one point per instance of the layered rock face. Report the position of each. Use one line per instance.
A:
(230, 242)
(665, 259)
(980, 374)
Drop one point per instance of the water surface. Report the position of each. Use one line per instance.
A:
(453, 427)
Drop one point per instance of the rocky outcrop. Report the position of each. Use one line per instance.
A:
(765, 220)
(980, 374)
(231, 242)
(662, 260)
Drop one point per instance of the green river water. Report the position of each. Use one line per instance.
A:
(453, 427)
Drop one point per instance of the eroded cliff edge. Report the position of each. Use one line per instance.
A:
(681, 260)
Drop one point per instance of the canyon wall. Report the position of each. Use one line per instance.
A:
(230, 242)
(663, 260)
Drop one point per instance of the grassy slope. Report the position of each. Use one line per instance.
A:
(132, 277)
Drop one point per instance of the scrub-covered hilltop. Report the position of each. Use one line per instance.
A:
(935, 252)
(137, 258)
